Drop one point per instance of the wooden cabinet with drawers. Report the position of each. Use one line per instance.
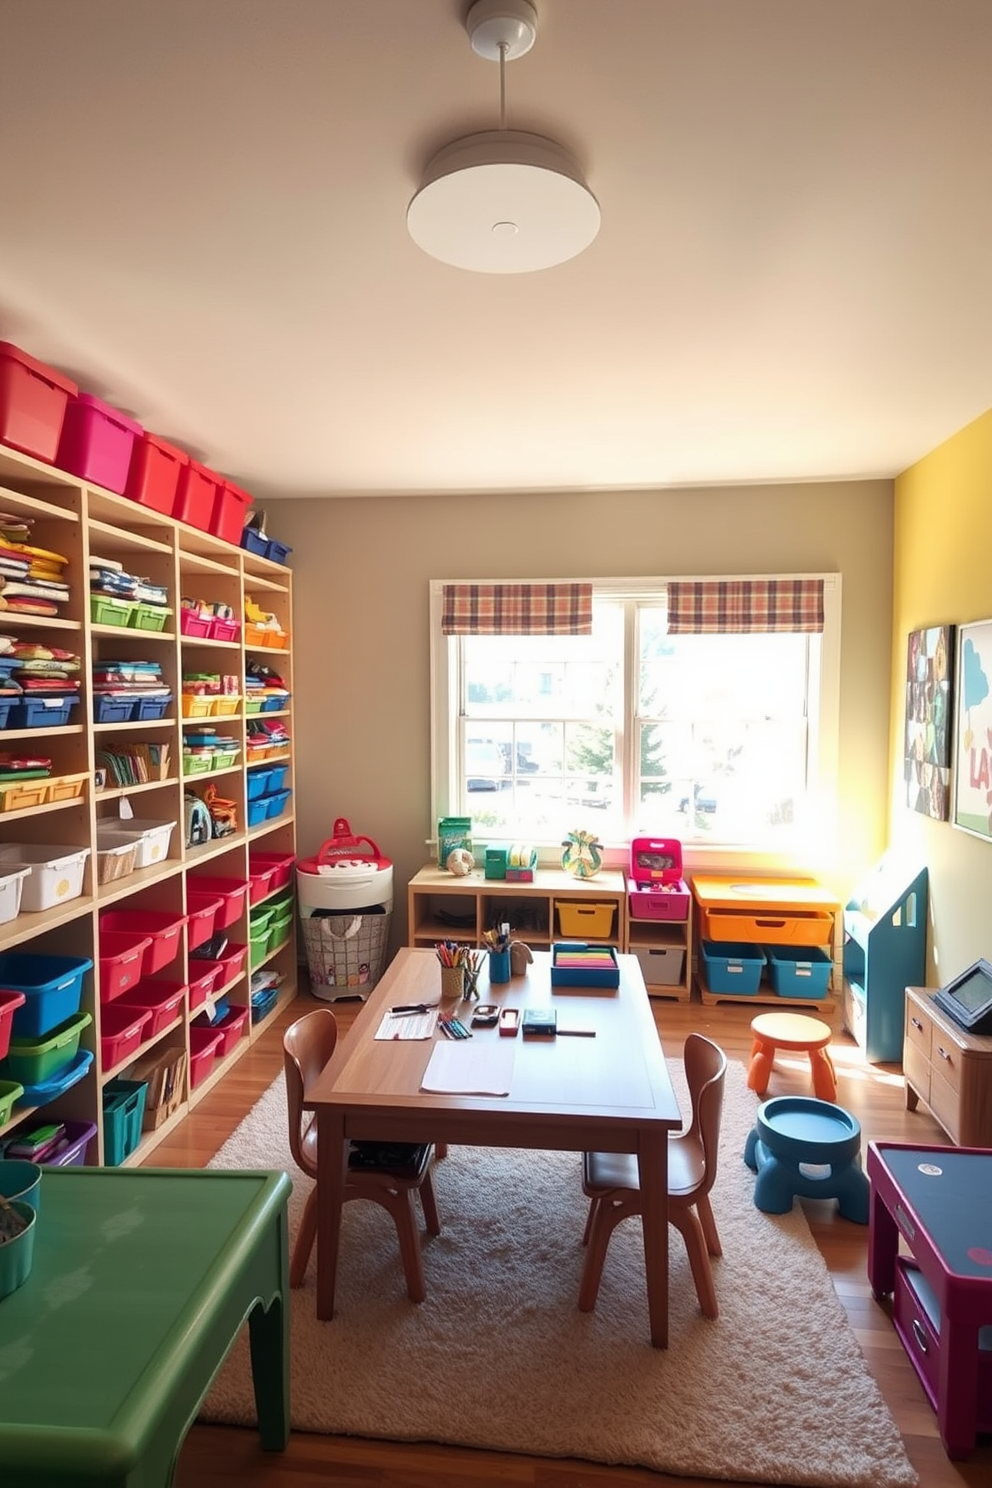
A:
(949, 1069)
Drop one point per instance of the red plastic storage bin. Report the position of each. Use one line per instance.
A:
(203, 1048)
(229, 1027)
(197, 491)
(33, 401)
(121, 1032)
(153, 475)
(97, 442)
(230, 891)
(226, 967)
(259, 881)
(9, 1003)
(278, 865)
(161, 927)
(201, 917)
(203, 978)
(231, 507)
(122, 961)
(162, 1001)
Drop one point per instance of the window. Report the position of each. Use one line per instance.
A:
(726, 739)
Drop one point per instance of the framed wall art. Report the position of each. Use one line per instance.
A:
(929, 679)
(973, 730)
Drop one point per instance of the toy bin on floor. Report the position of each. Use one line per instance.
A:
(345, 895)
(97, 442)
(33, 401)
(799, 971)
(733, 968)
(52, 988)
(123, 1109)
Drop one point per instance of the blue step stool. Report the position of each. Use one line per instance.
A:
(807, 1148)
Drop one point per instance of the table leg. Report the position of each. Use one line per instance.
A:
(883, 1246)
(332, 1164)
(268, 1332)
(652, 1168)
(957, 1386)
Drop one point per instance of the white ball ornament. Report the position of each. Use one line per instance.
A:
(459, 862)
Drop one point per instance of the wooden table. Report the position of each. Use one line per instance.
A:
(610, 1093)
(141, 1281)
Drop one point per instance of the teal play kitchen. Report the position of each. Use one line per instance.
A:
(345, 895)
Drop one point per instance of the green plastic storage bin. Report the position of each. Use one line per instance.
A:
(123, 1110)
(38, 1058)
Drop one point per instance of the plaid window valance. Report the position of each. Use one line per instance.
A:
(517, 609)
(730, 606)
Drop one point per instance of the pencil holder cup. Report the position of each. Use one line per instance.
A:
(471, 988)
(452, 983)
(499, 967)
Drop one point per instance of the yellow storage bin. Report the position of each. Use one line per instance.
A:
(585, 920)
(196, 705)
(775, 927)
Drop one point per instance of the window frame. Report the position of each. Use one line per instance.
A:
(822, 800)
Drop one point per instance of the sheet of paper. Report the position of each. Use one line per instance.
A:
(412, 1026)
(461, 1068)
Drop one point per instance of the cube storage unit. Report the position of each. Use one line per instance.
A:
(86, 871)
(885, 949)
(659, 917)
(739, 922)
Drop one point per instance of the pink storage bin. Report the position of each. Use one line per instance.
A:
(225, 630)
(33, 401)
(203, 978)
(204, 1045)
(231, 507)
(121, 956)
(162, 1001)
(229, 1027)
(230, 891)
(201, 915)
(121, 1032)
(153, 475)
(279, 866)
(659, 902)
(228, 967)
(192, 623)
(198, 489)
(97, 442)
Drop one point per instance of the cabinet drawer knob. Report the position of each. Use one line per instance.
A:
(920, 1336)
(917, 1024)
(943, 1053)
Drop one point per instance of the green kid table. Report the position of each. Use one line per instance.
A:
(142, 1278)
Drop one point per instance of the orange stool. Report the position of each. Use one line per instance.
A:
(792, 1031)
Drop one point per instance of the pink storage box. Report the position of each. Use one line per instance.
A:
(198, 489)
(231, 507)
(192, 623)
(229, 1027)
(659, 901)
(201, 915)
(121, 1032)
(33, 401)
(153, 475)
(204, 1048)
(162, 1001)
(97, 442)
(203, 978)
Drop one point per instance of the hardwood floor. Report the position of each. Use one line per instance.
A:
(216, 1457)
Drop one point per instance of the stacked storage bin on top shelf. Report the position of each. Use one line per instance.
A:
(44, 1057)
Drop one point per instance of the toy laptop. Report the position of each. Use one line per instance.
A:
(655, 886)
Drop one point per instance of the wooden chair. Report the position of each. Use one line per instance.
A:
(386, 1173)
(610, 1182)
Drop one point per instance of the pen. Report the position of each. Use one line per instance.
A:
(576, 1033)
(413, 1007)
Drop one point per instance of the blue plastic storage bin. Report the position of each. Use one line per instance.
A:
(145, 708)
(112, 709)
(6, 708)
(732, 967)
(258, 783)
(49, 1090)
(123, 1111)
(276, 804)
(52, 987)
(278, 552)
(42, 712)
(274, 704)
(254, 542)
(799, 971)
(258, 811)
(277, 779)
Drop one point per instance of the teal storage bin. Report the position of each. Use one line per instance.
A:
(123, 1110)
(799, 971)
(732, 967)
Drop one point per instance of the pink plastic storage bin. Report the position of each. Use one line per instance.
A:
(225, 630)
(279, 866)
(203, 978)
(228, 967)
(659, 901)
(162, 928)
(201, 916)
(153, 475)
(230, 891)
(231, 507)
(122, 961)
(97, 442)
(162, 1001)
(229, 1027)
(196, 494)
(203, 1047)
(121, 1031)
(9, 1003)
(33, 401)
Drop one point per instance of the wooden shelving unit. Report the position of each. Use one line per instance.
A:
(78, 520)
(555, 906)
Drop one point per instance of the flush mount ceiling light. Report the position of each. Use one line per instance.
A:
(503, 201)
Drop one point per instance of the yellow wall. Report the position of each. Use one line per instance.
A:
(361, 644)
(942, 574)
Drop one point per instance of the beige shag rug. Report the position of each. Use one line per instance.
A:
(774, 1391)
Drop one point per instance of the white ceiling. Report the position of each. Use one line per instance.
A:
(202, 219)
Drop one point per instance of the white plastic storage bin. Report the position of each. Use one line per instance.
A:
(661, 966)
(56, 873)
(11, 889)
(152, 838)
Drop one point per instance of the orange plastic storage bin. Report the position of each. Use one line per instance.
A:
(33, 401)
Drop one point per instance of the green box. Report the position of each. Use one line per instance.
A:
(452, 832)
(496, 862)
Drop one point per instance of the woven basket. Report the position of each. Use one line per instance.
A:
(346, 951)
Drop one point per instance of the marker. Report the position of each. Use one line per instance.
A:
(576, 1033)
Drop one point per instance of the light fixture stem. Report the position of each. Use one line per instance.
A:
(502, 85)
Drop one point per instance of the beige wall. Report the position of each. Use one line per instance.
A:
(361, 646)
(943, 575)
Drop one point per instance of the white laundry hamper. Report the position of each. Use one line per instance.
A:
(345, 894)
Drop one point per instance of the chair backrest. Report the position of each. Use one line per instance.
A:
(307, 1046)
(705, 1072)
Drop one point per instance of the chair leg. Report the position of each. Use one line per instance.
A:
(760, 1068)
(599, 1229)
(413, 1262)
(304, 1241)
(428, 1200)
(708, 1225)
(691, 1230)
(593, 1206)
(440, 1150)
